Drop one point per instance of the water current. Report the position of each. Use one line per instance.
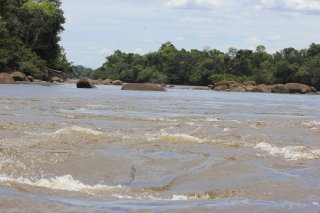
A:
(64, 149)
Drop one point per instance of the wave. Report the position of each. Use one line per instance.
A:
(176, 137)
(290, 152)
(66, 183)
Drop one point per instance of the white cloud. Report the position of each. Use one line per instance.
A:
(254, 41)
(308, 5)
(179, 38)
(138, 50)
(195, 4)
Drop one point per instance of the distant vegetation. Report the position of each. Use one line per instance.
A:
(172, 66)
(29, 41)
(29, 36)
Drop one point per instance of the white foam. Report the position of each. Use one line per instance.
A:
(77, 129)
(179, 197)
(290, 152)
(176, 137)
(66, 183)
(311, 123)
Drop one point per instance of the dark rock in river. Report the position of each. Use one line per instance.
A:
(30, 78)
(144, 87)
(6, 78)
(84, 83)
(19, 76)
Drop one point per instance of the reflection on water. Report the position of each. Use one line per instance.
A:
(69, 149)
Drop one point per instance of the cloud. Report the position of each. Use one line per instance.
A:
(297, 5)
(195, 4)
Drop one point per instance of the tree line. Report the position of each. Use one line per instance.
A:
(29, 36)
(169, 65)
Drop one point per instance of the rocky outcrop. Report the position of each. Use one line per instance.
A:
(84, 83)
(143, 87)
(6, 78)
(251, 86)
(19, 76)
(117, 82)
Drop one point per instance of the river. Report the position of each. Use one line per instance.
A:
(64, 149)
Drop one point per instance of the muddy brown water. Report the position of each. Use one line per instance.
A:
(64, 149)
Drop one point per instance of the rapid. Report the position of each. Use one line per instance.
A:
(64, 149)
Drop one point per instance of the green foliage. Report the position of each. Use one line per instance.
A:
(170, 65)
(29, 36)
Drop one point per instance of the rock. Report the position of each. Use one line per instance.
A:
(96, 82)
(107, 81)
(249, 87)
(84, 83)
(298, 88)
(313, 89)
(144, 87)
(261, 88)
(211, 86)
(250, 83)
(279, 88)
(57, 79)
(117, 82)
(30, 78)
(237, 88)
(221, 88)
(224, 83)
(19, 76)
(6, 78)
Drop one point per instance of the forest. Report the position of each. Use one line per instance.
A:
(29, 41)
(29, 36)
(169, 65)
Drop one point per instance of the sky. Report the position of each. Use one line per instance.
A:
(95, 29)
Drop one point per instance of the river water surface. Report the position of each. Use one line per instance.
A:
(64, 149)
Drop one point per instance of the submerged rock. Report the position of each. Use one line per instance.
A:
(6, 78)
(144, 87)
(84, 83)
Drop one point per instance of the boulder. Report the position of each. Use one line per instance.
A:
(143, 87)
(237, 88)
(30, 78)
(117, 82)
(84, 83)
(313, 89)
(221, 88)
(250, 83)
(249, 87)
(57, 80)
(261, 88)
(298, 88)
(19, 76)
(224, 83)
(96, 82)
(279, 88)
(107, 81)
(6, 78)
(211, 86)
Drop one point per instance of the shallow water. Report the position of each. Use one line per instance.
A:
(64, 149)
